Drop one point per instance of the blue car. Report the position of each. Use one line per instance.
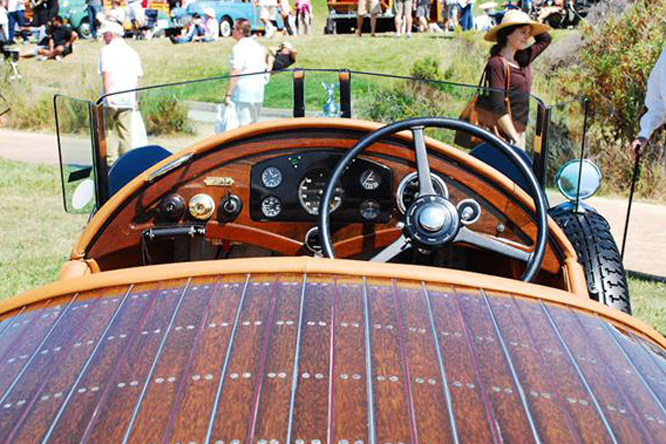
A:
(225, 13)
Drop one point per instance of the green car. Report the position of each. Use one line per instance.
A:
(75, 13)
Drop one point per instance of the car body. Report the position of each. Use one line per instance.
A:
(197, 305)
(226, 12)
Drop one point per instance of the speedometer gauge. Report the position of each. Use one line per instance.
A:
(311, 190)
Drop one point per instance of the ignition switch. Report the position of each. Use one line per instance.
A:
(230, 207)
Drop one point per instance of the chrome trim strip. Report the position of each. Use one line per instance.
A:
(442, 369)
(297, 355)
(227, 357)
(372, 439)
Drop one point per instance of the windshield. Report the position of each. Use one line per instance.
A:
(175, 116)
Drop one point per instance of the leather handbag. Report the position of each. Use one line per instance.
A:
(479, 112)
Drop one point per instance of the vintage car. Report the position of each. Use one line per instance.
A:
(321, 279)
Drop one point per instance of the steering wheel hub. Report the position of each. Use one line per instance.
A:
(432, 220)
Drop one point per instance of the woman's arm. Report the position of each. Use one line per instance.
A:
(526, 56)
(496, 72)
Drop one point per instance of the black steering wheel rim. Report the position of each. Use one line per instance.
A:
(535, 258)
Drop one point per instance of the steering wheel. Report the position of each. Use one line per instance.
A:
(432, 221)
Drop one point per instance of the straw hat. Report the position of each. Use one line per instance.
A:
(516, 17)
(210, 12)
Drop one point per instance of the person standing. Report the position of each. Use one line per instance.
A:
(136, 15)
(423, 14)
(451, 15)
(364, 8)
(466, 14)
(304, 14)
(403, 8)
(93, 8)
(120, 68)
(655, 102)
(247, 57)
(16, 17)
(267, 9)
(512, 55)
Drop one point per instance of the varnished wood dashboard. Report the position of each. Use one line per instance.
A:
(222, 166)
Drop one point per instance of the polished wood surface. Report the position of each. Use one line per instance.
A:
(322, 358)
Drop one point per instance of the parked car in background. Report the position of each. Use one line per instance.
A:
(225, 13)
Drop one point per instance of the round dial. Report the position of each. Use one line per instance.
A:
(311, 190)
(370, 209)
(271, 177)
(370, 180)
(271, 206)
(408, 189)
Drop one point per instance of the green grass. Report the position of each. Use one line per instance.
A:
(38, 236)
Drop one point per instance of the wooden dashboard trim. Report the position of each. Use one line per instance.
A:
(102, 216)
(309, 265)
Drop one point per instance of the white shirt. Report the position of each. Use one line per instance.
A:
(248, 56)
(655, 98)
(123, 68)
(12, 6)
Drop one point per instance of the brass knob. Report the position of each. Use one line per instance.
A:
(202, 206)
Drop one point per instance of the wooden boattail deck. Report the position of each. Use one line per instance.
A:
(323, 351)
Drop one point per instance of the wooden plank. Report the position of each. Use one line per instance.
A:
(540, 385)
(562, 384)
(234, 410)
(474, 416)
(162, 400)
(124, 388)
(97, 380)
(431, 413)
(394, 421)
(310, 416)
(500, 388)
(199, 396)
(616, 407)
(350, 407)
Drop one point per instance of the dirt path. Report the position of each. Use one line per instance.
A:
(646, 242)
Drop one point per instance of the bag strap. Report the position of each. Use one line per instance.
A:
(507, 76)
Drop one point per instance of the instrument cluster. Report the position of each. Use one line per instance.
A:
(290, 187)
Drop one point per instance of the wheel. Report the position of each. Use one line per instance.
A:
(226, 27)
(598, 254)
(432, 221)
(84, 31)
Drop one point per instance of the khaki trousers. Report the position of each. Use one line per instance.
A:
(119, 121)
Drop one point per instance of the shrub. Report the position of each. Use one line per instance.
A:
(612, 72)
(165, 114)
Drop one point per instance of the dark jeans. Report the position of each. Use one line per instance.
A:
(93, 10)
(17, 18)
(466, 18)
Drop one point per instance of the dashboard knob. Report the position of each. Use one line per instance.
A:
(230, 207)
(172, 207)
(202, 206)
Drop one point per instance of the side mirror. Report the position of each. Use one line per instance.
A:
(578, 179)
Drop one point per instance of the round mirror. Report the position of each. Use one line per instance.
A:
(567, 179)
(83, 194)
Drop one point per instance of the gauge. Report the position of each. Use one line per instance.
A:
(408, 189)
(271, 206)
(370, 180)
(311, 190)
(271, 177)
(369, 209)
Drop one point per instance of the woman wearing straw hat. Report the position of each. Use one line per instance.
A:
(509, 69)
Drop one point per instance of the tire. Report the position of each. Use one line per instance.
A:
(598, 254)
(84, 30)
(226, 27)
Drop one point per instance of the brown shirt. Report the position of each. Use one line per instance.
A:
(520, 81)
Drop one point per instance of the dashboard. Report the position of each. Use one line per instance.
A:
(259, 194)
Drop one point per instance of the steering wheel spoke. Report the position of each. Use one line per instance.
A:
(422, 165)
(467, 236)
(395, 248)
